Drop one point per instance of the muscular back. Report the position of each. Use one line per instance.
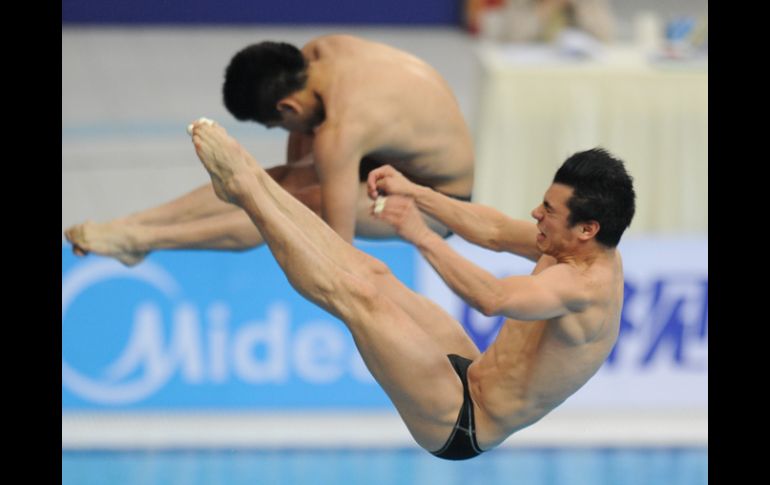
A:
(402, 109)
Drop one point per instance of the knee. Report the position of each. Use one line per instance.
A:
(361, 297)
(373, 270)
(375, 267)
(364, 291)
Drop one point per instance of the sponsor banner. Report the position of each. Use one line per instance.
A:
(660, 361)
(208, 330)
(195, 330)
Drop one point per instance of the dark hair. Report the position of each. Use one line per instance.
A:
(603, 191)
(259, 76)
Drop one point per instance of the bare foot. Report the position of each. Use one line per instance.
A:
(224, 158)
(108, 239)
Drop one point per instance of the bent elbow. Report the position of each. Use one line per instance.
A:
(488, 312)
(495, 239)
(488, 308)
(494, 244)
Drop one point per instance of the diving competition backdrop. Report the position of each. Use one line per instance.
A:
(214, 331)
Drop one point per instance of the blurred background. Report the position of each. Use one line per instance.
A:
(207, 368)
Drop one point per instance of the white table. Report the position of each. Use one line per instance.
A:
(537, 108)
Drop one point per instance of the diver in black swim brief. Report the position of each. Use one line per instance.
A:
(561, 322)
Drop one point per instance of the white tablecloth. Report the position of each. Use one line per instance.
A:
(536, 110)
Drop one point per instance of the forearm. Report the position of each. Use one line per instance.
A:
(479, 224)
(474, 285)
(463, 218)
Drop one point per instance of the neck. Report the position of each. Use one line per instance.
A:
(316, 79)
(586, 255)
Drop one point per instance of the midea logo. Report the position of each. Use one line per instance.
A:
(208, 352)
(157, 370)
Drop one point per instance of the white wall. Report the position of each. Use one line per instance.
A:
(129, 93)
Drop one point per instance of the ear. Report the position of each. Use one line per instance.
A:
(289, 106)
(588, 230)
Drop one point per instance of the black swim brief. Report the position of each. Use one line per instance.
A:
(461, 444)
(367, 165)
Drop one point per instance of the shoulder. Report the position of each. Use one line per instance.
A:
(556, 272)
(568, 283)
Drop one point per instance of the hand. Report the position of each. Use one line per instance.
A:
(389, 181)
(402, 213)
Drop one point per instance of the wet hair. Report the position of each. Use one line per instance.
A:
(259, 76)
(603, 191)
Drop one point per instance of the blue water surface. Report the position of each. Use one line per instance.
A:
(622, 466)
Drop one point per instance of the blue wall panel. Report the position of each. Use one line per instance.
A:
(208, 330)
(338, 12)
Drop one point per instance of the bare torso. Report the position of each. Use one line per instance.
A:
(532, 367)
(403, 108)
